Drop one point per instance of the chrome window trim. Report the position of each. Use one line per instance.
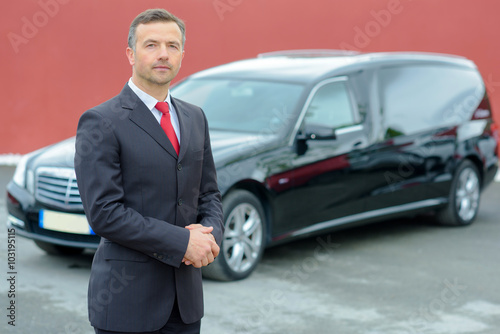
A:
(349, 129)
(312, 93)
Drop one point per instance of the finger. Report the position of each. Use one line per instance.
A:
(193, 226)
(210, 258)
(198, 264)
(203, 229)
(215, 250)
(207, 229)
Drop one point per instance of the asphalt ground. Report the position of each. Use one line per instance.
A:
(395, 277)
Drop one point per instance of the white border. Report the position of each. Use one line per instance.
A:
(10, 159)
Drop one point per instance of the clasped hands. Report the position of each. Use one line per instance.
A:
(202, 248)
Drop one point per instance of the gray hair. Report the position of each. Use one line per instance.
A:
(154, 15)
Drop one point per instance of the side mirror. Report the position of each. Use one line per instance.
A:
(316, 136)
(303, 138)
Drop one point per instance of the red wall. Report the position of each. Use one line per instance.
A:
(61, 57)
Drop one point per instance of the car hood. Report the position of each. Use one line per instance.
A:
(57, 155)
(226, 146)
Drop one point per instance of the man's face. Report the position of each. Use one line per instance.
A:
(158, 55)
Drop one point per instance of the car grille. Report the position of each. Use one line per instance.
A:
(56, 186)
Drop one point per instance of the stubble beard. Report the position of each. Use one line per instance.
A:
(151, 79)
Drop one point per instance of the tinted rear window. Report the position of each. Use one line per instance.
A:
(423, 97)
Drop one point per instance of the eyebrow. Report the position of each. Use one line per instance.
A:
(151, 40)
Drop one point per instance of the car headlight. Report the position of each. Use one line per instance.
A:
(30, 181)
(20, 173)
(22, 177)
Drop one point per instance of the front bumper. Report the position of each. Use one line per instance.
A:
(53, 237)
(23, 216)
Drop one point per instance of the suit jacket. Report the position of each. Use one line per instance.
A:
(138, 196)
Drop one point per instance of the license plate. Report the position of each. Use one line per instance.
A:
(64, 222)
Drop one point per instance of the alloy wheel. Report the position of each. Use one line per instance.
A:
(243, 237)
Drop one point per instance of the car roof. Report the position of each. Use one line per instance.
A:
(305, 66)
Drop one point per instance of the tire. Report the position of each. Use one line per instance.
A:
(58, 249)
(464, 198)
(244, 238)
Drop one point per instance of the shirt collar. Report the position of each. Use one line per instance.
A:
(147, 99)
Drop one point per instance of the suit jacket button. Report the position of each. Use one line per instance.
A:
(179, 202)
(179, 167)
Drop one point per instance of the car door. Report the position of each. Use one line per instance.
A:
(326, 181)
(421, 106)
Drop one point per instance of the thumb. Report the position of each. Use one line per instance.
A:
(207, 229)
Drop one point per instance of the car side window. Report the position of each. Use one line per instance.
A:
(423, 97)
(329, 109)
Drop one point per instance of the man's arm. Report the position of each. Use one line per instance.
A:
(210, 213)
(100, 184)
(210, 201)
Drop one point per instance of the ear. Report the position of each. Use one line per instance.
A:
(182, 57)
(130, 56)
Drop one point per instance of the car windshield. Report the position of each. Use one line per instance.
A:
(242, 106)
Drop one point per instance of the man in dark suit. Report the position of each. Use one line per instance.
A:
(157, 210)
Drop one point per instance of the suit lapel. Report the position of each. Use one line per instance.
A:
(143, 118)
(184, 124)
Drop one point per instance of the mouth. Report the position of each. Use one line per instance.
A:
(161, 67)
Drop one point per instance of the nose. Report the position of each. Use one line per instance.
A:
(163, 52)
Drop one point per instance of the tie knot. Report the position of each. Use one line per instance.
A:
(162, 107)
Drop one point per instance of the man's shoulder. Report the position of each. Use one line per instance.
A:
(118, 102)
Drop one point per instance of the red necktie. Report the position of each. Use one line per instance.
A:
(166, 125)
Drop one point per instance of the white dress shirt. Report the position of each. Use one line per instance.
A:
(150, 102)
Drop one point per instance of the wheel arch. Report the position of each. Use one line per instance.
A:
(263, 195)
(479, 165)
